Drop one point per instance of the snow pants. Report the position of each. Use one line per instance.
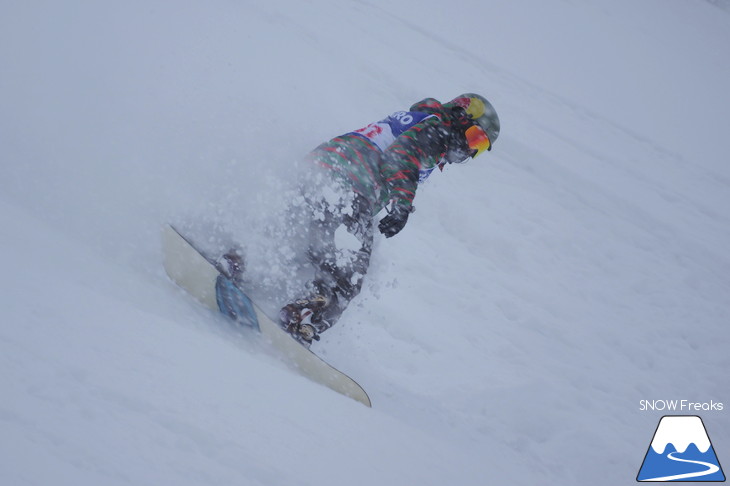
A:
(340, 240)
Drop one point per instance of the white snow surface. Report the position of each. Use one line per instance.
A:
(506, 336)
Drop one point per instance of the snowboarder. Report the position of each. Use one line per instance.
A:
(378, 166)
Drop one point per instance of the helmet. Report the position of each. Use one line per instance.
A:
(481, 112)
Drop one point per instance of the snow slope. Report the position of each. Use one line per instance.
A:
(505, 337)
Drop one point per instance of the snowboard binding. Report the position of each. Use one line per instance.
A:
(302, 319)
(232, 265)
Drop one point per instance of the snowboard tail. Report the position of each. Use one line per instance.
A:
(196, 273)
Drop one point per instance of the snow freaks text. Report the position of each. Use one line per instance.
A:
(680, 406)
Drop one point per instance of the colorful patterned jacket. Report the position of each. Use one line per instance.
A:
(386, 160)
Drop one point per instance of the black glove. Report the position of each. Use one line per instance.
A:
(394, 221)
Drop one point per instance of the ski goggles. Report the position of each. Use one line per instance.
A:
(477, 139)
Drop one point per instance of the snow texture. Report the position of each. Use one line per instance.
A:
(506, 336)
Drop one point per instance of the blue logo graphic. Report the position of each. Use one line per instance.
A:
(680, 451)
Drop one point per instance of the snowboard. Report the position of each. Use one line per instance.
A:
(196, 273)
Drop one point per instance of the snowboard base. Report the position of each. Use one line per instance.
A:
(196, 273)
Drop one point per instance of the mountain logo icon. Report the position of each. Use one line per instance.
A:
(680, 451)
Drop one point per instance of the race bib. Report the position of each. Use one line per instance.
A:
(384, 132)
